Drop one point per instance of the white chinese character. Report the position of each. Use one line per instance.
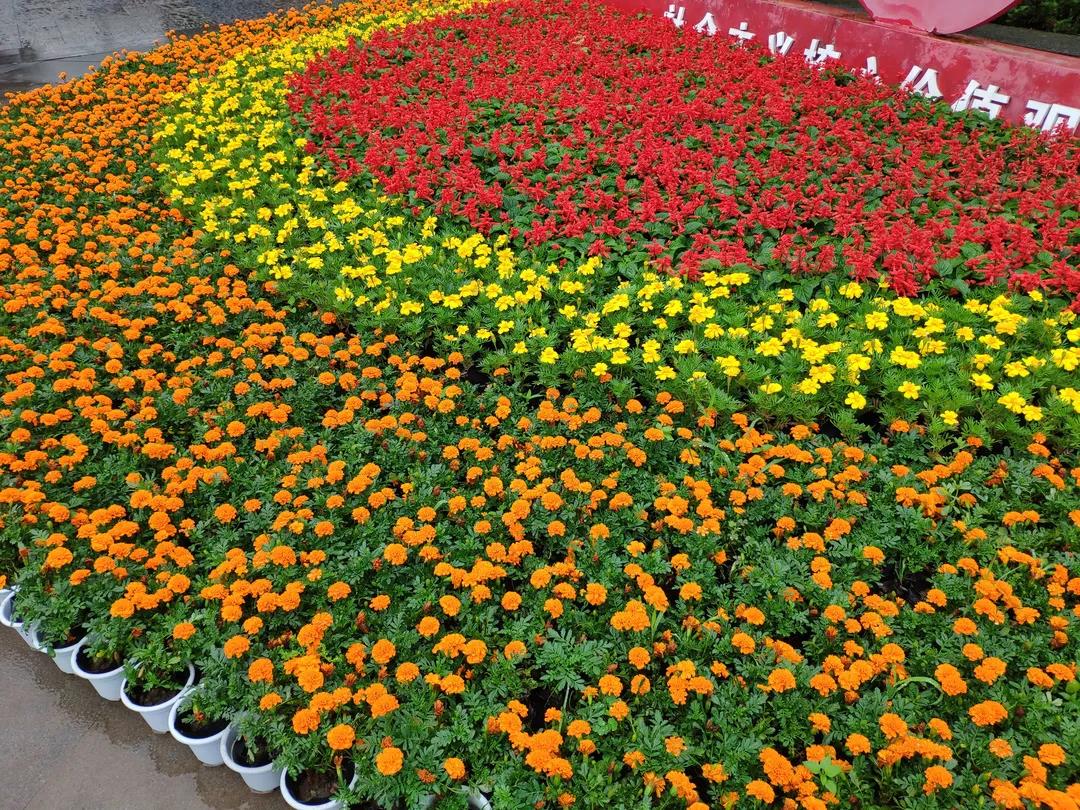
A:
(707, 25)
(990, 101)
(780, 43)
(816, 54)
(1048, 117)
(871, 66)
(677, 14)
(741, 32)
(927, 85)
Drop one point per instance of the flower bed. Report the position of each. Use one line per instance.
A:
(454, 462)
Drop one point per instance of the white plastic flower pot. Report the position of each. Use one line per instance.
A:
(7, 617)
(63, 657)
(106, 684)
(296, 804)
(477, 800)
(206, 749)
(260, 779)
(157, 716)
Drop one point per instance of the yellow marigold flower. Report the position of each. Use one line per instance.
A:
(876, 320)
(909, 389)
(855, 401)
(851, 290)
(1012, 401)
(770, 348)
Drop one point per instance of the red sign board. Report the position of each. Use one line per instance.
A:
(1015, 84)
(937, 16)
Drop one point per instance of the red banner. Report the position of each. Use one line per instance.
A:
(1016, 84)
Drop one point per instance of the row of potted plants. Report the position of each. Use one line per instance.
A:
(169, 704)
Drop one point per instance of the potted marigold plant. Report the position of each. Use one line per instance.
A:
(247, 748)
(158, 670)
(199, 721)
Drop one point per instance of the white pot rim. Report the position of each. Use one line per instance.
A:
(227, 741)
(90, 676)
(330, 804)
(180, 736)
(35, 641)
(7, 609)
(137, 707)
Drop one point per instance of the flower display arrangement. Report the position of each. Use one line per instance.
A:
(528, 404)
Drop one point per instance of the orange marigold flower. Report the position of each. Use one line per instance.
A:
(226, 512)
(610, 685)
(513, 649)
(892, 725)
(338, 591)
(383, 651)
(450, 605)
(578, 728)
(781, 680)
(261, 670)
(965, 627)
(1051, 754)
(237, 646)
(396, 554)
(305, 721)
(743, 643)
(341, 737)
(675, 745)
(380, 603)
(389, 760)
(987, 713)
(761, 791)
(454, 768)
(183, 631)
(639, 657)
(407, 672)
(452, 684)
(857, 744)
(57, 558)
(936, 779)
(428, 626)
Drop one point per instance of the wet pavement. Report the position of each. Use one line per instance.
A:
(62, 746)
(39, 39)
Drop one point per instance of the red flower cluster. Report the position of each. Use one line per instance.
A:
(554, 121)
